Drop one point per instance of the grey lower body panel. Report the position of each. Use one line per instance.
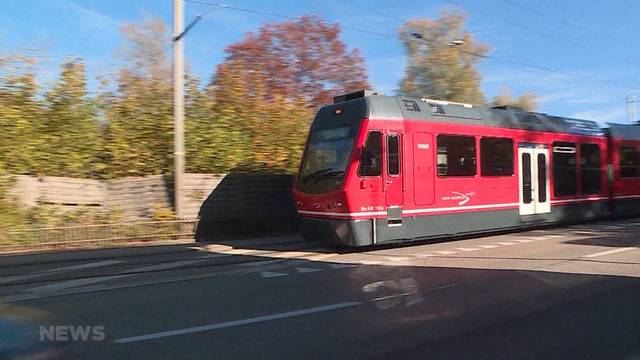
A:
(434, 226)
(338, 232)
(362, 233)
(626, 207)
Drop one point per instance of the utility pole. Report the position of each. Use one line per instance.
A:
(178, 105)
(632, 111)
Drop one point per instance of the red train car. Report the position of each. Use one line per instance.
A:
(624, 155)
(379, 169)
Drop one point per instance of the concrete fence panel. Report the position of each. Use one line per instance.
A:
(247, 204)
(226, 206)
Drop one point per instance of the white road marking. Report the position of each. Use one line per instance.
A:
(239, 251)
(524, 241)
(467, 249)
(321, 257)
(166, 266)
(270, 274)
(15, 278)
(86, 266)
(227, 324)
(395, 258)
(445, 252)
(538, 238)
(425, 255)
(150, 268)
(72, 283)
(370, 262)
(503, 243)
(609, 252)
(304, 270)
(94, 280)
(488, 246)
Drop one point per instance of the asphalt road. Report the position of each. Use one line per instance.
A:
(562, 293)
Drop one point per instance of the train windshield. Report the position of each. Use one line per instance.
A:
(325, 161)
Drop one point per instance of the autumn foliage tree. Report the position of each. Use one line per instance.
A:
(138, 132)
(442, 59)
(68, 127)
(303, 59)
(270, 84)
(19, 113)
(264, 128)
(253, 115)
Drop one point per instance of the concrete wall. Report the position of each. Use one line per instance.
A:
(31, 190)
(196, 189)
(248, 204)
(137, 197)
(227, 205)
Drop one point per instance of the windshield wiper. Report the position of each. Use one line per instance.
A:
(329, 174)
(315, 173)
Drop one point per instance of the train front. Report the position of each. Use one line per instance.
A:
(321, 189)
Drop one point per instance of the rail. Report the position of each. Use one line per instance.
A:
(107, 233)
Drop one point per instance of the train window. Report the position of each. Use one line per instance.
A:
(564, 169)
(629, 162)
(542, 178)
(496, 157)
(393, 154)
(526, 179)
(371, 161)
(456, 155)
(590, 169)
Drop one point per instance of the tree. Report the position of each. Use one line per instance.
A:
(213, 143)
(139, 126)
(441, 59)
(302, 59)
(527, 101)
(19, 110)
(265, 129)
(265, 92)
(68, 127)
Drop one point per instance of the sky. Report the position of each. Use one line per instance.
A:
(580, 57)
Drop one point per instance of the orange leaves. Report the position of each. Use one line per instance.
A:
(302, 59)
(273, 81)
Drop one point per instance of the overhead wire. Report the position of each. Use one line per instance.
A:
(289, 17)
(512, 62)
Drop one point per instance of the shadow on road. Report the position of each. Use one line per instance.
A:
(381, 311)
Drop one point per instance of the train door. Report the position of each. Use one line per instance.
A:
(423, 173)
(393, 174)
(534, 179)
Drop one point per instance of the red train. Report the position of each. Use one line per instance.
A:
(380, 169)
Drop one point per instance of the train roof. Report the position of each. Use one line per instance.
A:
(624, 131)
(403, 107)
